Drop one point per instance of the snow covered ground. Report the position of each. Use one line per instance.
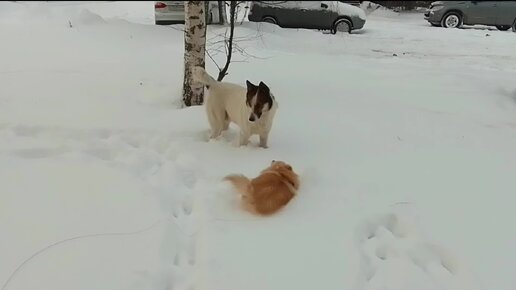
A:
(403, 134)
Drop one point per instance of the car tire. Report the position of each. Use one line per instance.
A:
(503, 27)
(452, 20)
(342, 25)
(270, 19)
(514, 26)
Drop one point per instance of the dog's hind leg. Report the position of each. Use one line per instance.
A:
(226, 122)
(216, 124)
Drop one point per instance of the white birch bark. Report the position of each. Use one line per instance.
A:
(195, 46)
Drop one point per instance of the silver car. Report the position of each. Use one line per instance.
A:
(173, 12)
(453, 14)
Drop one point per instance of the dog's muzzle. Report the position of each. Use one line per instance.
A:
(252, 118)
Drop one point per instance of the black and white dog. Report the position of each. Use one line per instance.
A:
(252, 108)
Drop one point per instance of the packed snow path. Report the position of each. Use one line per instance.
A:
(165, 173)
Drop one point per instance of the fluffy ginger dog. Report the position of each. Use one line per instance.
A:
(270, 191)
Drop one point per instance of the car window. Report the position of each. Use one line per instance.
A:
(310, 5)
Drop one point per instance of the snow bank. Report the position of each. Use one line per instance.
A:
(378, 10)
(347, 9)
(36, 13)
(76, 12)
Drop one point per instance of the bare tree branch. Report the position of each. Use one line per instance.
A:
(209, 55)
(232, 15)
(231, 45)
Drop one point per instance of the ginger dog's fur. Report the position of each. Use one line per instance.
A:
(270, 191)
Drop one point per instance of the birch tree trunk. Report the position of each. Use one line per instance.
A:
(195, 46)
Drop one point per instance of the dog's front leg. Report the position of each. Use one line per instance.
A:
(244, 138)
(263, 140)
(215, 123)
(264, 136)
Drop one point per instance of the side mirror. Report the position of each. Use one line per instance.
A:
(325, 6)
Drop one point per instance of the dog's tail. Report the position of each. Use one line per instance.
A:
(241, 183)
(200, 75)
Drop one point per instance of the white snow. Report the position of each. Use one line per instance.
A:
(403, 135)
(347, 9)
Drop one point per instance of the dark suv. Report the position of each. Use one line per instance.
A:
(325, 15)
(453, 14)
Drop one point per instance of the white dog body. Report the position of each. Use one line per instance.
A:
(228, 102)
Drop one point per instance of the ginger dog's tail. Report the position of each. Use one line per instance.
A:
(241, 183)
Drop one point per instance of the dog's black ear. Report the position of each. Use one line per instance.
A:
(263, 87)
(250, 85)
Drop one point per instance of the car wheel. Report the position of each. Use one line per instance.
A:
(341, 25)
(452, 20)
(503, 27)
(270, 20)
(514, 26)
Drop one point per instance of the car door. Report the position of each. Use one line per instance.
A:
(505, 12)
(313, 14)
(326, 15)
(480, 12)
(288, 14)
